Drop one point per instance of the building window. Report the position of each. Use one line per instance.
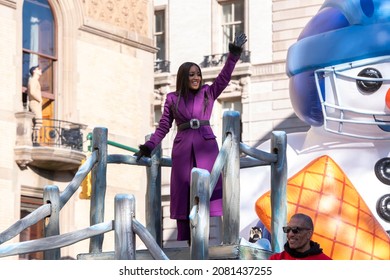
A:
(233, 104)
(232, 21)
(161, 63)
(157, 114)
(159, 34)
(39, 48)
(28, 205)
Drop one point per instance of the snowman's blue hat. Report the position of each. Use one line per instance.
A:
(342, 31)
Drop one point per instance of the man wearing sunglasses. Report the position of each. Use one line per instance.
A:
(299, 245)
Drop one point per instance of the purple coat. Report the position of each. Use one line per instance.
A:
(192, 147)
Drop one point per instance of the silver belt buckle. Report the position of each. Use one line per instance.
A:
(194, 123)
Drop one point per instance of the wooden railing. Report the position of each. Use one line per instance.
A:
(123, 223)
(228, 163)
(53, 203)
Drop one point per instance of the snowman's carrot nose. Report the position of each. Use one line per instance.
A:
(388, 98)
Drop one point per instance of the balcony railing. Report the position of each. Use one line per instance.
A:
(58, 133)
(162, 66)
(48, 143)
(214, 60)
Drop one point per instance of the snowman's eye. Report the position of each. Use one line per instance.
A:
(367, 87)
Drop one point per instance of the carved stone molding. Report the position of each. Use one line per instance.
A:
(8, 3)
(131, 15)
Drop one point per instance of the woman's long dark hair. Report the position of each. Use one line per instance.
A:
(182, 81)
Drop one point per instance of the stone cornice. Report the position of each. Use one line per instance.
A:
(8, 3)
(119, 35)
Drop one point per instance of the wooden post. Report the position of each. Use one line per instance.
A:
(200, 216)
(99, 183)
(153, 196)
(123, 224)
(51, 195)
(231, 180)
(278, 190)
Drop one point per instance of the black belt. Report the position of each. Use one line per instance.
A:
(194, 124)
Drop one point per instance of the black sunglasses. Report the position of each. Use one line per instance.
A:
(295, 230)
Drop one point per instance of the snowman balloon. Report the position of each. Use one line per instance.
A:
(338, 171)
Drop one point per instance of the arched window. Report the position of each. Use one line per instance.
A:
(39, 48)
